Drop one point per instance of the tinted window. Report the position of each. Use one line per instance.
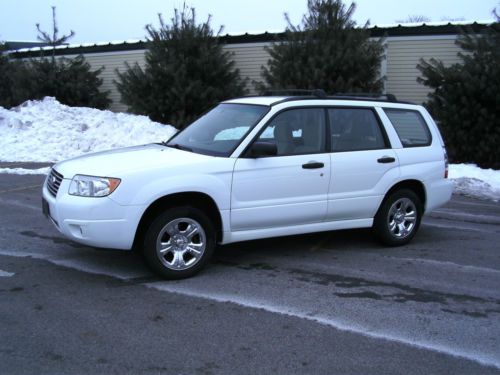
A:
(410, 126)
(220, 130)
(355, 129)
(297, 131)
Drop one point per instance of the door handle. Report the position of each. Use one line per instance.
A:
(386, 159)
(313, 165)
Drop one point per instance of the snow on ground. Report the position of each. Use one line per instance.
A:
(45, 170)
(48, 131)
(470, 180)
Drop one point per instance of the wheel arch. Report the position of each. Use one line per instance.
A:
(416, 186)
(195, 199)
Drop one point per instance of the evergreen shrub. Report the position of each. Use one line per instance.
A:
(466, 98)
(327, 52)
(186, 72)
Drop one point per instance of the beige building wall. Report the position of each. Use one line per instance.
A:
(249, 59)
(112, 61)
(402, 57)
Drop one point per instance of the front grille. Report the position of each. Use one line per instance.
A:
(54, 181)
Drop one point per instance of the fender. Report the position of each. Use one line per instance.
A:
(215, 181)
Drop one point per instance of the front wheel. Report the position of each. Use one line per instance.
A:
(179, 242)
(398, 218)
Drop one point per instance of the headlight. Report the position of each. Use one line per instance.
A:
(91, 186)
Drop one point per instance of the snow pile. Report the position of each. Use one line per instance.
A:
(472, 181)
(48, 131)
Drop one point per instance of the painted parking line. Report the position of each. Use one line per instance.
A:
(458, 215)
(455, 226)
(21, 188)
(83, 262)
(6, 274)
(13, 202)
(451, 265)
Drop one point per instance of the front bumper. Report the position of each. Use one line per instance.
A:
(98, 222)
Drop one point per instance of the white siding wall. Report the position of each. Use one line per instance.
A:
(249, 58)
(112, 61)
(403, 55)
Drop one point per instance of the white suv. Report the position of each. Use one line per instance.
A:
(252, 168)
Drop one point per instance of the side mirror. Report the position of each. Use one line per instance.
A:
(262, 149)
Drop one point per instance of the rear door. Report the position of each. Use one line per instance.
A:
(362, 163)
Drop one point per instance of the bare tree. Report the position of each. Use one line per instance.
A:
(453, 19)
(414, 19)
(53, 40)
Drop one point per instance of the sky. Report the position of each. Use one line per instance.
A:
(117, 20)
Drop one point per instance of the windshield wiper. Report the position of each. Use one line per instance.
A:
(177, 146)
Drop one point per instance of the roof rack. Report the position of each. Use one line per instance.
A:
(366, 95)
(319, 93)
(298, 94)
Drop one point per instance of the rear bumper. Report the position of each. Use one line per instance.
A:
(98, 222)
(438, 193)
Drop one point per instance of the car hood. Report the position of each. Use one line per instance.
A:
(116, 163)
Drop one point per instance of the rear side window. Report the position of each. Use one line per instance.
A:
(410, 126)
(355, 129)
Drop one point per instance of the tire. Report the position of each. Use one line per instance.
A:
(398, 218)
(179, 242)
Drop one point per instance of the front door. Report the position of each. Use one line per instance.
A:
(291, 187)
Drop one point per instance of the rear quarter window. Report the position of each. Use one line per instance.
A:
(410, 126)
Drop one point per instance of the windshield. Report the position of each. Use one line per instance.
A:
(219, 131)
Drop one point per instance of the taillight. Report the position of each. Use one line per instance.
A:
(445, 163)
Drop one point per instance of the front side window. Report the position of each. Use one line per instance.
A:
(297, 131)
(410, 126)
(219, 131)
(355, 129)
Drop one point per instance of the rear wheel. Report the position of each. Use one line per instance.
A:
(179, 242)
(398, 218)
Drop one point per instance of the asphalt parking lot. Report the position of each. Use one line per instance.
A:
(328, 303)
